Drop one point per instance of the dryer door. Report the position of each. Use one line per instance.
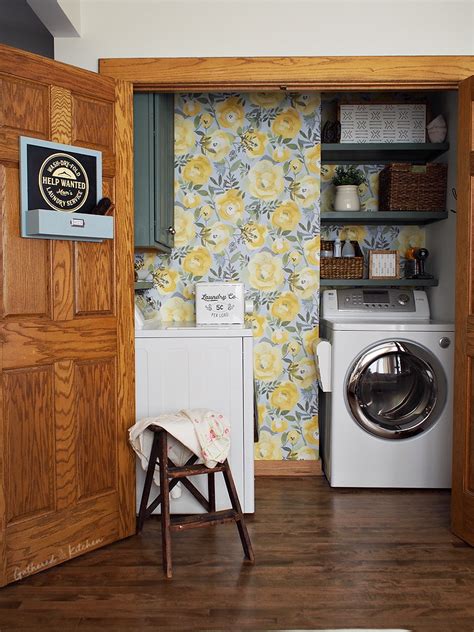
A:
(396, 390)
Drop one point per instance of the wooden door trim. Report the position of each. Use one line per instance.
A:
(187, 74)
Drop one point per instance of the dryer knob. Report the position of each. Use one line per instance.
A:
(444, 342)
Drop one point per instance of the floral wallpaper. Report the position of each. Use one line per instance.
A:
(370, 237)
(247, 187)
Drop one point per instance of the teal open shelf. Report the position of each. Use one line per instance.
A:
(396, 218)
(380, 153)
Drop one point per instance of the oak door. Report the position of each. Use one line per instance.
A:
(66, 356)
(463, 440)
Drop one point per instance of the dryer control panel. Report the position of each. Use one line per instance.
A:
(378, 303)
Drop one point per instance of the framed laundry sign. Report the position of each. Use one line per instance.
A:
(220, 303)
(60, 188)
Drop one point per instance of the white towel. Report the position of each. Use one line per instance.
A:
(199, 431)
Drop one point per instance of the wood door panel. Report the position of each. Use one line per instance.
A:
(28, 413)
(93, 123)
(25, 107)
(77, 530)
(94, 273)
(96, 423)
(66, 353)
(25, 262)
(38, 342)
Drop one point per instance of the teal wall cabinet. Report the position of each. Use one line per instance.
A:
(154, 171)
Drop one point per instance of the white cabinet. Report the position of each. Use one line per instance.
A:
(189, 367)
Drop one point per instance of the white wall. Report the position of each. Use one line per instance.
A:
(181, 28)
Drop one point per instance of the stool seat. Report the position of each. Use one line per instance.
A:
(170, 476)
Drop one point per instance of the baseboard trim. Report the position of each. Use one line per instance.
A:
(288, 468)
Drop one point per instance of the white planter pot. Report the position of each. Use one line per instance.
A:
(347, 198)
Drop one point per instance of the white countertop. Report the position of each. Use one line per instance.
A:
(155, 329)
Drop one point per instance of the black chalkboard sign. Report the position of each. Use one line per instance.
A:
(60, 177)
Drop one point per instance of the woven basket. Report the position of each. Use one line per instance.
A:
(405, 187)
(342, 267)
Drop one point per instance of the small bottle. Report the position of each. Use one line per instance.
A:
(337, 247)
(348, 249)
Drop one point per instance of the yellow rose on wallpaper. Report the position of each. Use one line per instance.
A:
(410, 237)
(184, 139)
(353, 233)
(259, 323)
(328, 172)
(304, 372)
(217, 236)
(287, 124)
(312, 157)
(267, 361)
(280, 245)
(197, 170)
(305, 282)
(281, 153)
(311, 250)
(188, 292)
(206, 211)
(284, 396)
(230, 205)
(206, 120)
(309, 338)
(279, 425)
(230, 113)
(191, 108)
(294, 257)
(261, 412)
(265, 272)
(191, 200)
(266, 180)
(311, 430)
(217, 145)
(306, 190)
(177, 310)
(293, 436)
(296, 165)
(286, 216)
(254, 235)
(268, 447)
(294, 347)
(254, 143)
(197, 262)
(308, 102)
(184, 227)
(165, 280)
(267, 100)
(306, 454)
(279, 336)
(285, 307)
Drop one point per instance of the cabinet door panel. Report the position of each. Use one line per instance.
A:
(199, 373)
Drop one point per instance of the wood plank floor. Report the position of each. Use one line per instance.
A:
(325, 559)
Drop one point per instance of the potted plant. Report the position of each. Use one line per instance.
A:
(347, 181)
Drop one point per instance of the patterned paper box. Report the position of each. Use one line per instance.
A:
(383, 123)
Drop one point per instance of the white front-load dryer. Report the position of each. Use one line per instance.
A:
(387, 420)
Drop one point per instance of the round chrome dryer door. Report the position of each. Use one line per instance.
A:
(396, 390)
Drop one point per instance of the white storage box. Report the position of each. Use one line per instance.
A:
(220, 303)
(383, 122)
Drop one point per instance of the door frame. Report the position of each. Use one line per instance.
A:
(220, 74)
(331, 74)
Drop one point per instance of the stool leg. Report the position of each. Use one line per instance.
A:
(234, 499)
(165, 504)
(211, 488)
(148, 482)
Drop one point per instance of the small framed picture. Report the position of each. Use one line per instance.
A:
(384, 264)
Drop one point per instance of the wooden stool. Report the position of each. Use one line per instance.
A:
(170, 476)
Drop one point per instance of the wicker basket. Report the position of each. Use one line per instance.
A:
(342, 267)
(404, 187)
